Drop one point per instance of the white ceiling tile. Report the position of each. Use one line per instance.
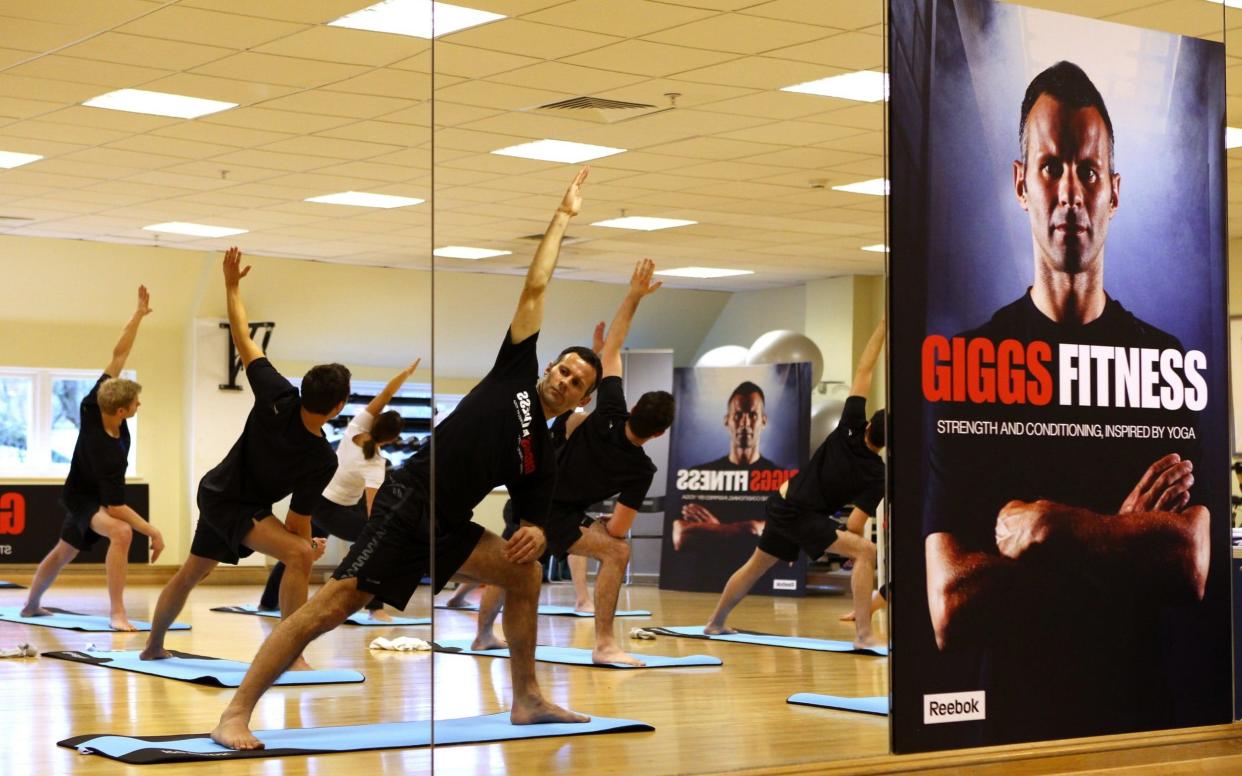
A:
(650, 58)
(291, 71)
(739, 34)
(194, 25)
(140, 51)
(341, 44)
(514, 36)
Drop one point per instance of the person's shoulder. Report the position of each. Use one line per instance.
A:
(1136, 330)
(722, 462)
(1004, 321)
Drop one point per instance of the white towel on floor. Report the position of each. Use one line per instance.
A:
(401, 644)
(22, 650)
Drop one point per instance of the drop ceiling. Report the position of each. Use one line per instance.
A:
(324, 110)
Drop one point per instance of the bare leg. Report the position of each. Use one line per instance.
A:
(736, 589)
(120, 535)
(489, 607)
(464, 589)
(45, 575)
(171, 601)
(270, 537)
(377, 612)
(336, 601)
(582, 591)
(862, 581)
(614, 556)
(521, 583)
(877, 603)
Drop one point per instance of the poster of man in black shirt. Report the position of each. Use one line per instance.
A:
(1065, 506)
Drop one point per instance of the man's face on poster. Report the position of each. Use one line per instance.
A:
(745, 420)
(1065, 185)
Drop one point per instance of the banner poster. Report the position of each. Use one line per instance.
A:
(31, 518)
(739, 433)
(1059, 466)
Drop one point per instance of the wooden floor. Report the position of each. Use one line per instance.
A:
(707, 720)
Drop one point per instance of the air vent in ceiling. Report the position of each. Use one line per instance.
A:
(603, 110)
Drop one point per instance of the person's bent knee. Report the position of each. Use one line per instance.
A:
(122, 535)
(301, 557)
(526, 580)
(619, 552)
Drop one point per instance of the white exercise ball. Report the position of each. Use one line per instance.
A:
(725, 355)
(826, 411)
(783, 346)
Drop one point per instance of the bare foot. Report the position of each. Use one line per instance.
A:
(490, 641)
(718, 630)
(614, 655)
(458, 602)
(234, 733)
(151, 653)
(585, 608)
(871, 642)
(380, 615)
(299, 664)
(37, 611)
(536, 710)
(847, 617)
(120, 622)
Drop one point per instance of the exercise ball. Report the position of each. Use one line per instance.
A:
(826, 409)
(783, 346)
(725, 355)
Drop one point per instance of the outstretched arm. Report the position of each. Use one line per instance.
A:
(239, 324)
(866, 365)
(640, 286)
(529, 315)
(383, 397)
(128, 334)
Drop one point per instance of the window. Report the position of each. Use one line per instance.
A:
(39, 420)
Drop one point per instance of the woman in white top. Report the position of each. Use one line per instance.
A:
(345, 505)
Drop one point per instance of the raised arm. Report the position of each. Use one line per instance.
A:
(640, 286)
(128, 334)
(383, 397)
(529, 315)
(239, 325)
(866, 365)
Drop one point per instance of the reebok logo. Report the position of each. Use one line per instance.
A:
(784, 584)
(954, 707)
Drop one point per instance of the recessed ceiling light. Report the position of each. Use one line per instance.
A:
(876, 186)
(1233, 135)
(643, 223)
(194, 230)
(1230, 3)
(363, 199)
(11, 159)
(158, 103)
(703, 272)
(416, 18)
(465, 252)
(559, 151)
(877, 248)
(864, 86)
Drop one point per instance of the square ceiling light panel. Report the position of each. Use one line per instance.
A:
(877, 187)
(703, 272)
(415, 18)
(158, 103)
(194, 230)
(643, 223)
(365, 199)
(561, 151)
(11, 159)
(863, 86)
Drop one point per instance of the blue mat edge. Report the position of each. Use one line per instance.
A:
(802, 699)
(57, 654)
(35, 621)
(439, 649)
(668, 630)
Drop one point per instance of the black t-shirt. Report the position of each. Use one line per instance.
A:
(1090, 650)
(724, 464)
(598, 460)
(276, 455)
(97, 469)
(843, 470)
(498, 435)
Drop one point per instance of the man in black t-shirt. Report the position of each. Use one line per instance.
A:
(600, 456)
(94, 493)
(846, 469)
(281, 452)
(497, 435)
(1051, 576)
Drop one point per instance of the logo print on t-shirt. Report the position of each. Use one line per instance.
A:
(521, 403)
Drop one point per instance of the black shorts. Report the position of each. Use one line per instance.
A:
(789, 529)
(76, 530)
(332, 519)
(393, 554)
(222, 525)
(564, 527)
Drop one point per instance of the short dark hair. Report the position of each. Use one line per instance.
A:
(745, 389)
(324, 387)
(1066, 83)
(652, 414)
(877, 431)
(589, 356)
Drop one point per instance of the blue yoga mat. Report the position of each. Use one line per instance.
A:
(10, 586)
(576, 657)
(352, 738)
(61, 618)
(877, 704)
(199, 669)
(770, 640)
(357, 618)
(555, 611)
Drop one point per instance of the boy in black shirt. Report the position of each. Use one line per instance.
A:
(281, 451)
(94, 493)
(846, 469)
(498, 435)
(600, 455)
